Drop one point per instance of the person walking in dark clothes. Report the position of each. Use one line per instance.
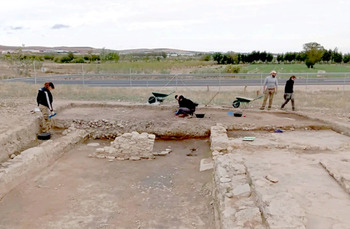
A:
(44, 100)
(288, 92)
(186, 106)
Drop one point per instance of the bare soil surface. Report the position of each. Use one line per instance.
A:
(170, 192)
(161, 120)
(295, 163)
(82, 192)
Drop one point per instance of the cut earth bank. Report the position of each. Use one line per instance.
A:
(267, 183)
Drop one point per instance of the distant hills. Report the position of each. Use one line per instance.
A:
(86, 50)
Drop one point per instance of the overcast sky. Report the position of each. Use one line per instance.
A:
(200, 25)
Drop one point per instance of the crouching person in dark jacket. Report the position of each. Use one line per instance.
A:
(186, 106)
(44, 100)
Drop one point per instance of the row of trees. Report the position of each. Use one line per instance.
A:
(103, 57)
(236, 58)
(312, 54)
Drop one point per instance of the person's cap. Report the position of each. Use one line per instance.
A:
(273, 71)
(51, 85)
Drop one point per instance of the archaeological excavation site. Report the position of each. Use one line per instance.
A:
(119, 165)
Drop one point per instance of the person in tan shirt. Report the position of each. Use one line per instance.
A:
(270, 89)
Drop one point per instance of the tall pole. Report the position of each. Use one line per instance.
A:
(130, 77)
(82, 70)
(34, 72)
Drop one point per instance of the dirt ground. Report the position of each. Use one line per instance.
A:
(82, 192)
(163, 122)
(295, 163)
(170, 192)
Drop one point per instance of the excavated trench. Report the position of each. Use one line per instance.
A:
(59, 185)
(83, 192)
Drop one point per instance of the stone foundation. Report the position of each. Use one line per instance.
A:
(129, 146)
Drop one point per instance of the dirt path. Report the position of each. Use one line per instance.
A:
(82, 192)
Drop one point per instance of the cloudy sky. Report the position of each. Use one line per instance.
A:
(202, 25)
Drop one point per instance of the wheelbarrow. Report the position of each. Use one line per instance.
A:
(240, 100)
(158, 97)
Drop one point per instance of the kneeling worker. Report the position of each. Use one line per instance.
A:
(186, 106)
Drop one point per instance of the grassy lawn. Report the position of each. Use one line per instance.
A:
(169, 66)
(294, 68)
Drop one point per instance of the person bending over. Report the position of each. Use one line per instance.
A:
(186, 106)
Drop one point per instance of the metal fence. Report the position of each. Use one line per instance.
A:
(183, 80)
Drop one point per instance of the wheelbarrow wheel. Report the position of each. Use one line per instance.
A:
(236, 104)
(152, 99)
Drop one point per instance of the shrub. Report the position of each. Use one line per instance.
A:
(65, 59)
(49, 57)
(78, 60)
(232, 69)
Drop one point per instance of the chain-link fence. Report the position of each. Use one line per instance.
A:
(186, 80)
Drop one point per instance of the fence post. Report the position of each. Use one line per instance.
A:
(34, 72)
(82, 70)
(130, 77)
(176, 81)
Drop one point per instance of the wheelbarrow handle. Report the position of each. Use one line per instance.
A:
(257, 98)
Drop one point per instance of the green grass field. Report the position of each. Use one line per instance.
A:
(168, 66)
(294, 68)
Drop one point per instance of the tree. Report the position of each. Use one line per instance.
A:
(269, 57)
(280, 57)
(314, 53)
(112, 56)
(263, 56)
(301, 56)
(232, 58)
(164, 55)
(70, 56)
(206, 57)
(223, 58)
(327, 55)
(337, 57)
(218, 57)
(346, 58)
(290, 56)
